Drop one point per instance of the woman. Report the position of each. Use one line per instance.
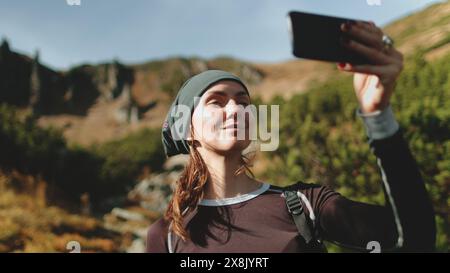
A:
(218, 207)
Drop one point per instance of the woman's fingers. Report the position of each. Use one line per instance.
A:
(370, 27)
(366, 39)
(370, 36)
(365, 69)
(396, 54)
(384, 72)
(364, 33)
(374, 55)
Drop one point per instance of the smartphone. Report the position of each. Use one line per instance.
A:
(319, 37)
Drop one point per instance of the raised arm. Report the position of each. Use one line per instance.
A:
(407, 220)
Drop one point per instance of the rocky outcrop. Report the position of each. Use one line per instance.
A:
(25, 82)
(147, 202)
(96, 84)
(96, 103)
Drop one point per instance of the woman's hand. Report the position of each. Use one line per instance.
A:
(373, 83)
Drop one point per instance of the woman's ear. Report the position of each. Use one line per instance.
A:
(192, 142)
(189, 137)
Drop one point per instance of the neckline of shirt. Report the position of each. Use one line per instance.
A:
(235, 200)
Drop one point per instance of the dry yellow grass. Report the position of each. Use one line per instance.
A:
(28, 225)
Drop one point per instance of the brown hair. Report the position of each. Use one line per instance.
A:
(189, 188)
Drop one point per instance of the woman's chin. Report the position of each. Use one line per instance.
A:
(232, 146)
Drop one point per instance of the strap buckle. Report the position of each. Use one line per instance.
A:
(293, 203)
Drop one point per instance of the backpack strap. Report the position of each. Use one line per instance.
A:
(295, 208)
(306, 226)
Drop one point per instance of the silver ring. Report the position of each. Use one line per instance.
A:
(388, 42)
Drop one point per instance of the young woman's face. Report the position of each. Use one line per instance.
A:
(221, 120)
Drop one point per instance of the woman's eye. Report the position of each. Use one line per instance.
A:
(216, 102)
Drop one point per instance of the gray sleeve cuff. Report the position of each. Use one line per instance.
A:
(379, 124)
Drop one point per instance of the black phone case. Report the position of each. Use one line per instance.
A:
(318, 37)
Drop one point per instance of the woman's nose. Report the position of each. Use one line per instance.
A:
(232, 108)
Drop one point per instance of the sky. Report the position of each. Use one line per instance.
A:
(135, 31)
